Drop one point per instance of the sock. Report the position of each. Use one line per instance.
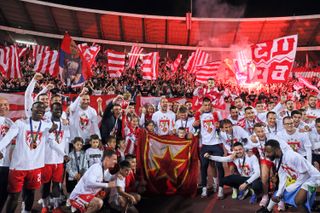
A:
(270, 205)
(55, 202)
(45, 202)
(215, 180)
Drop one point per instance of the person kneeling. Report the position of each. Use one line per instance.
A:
(119, 199)
(249, 173)
(83, 197)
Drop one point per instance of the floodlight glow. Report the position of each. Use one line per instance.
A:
(26, 42)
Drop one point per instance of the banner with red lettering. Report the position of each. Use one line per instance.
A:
(273, 60)
(168, 164)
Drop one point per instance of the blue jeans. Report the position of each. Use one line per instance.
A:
(212, 150)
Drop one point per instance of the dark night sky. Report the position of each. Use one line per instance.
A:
(253, 8)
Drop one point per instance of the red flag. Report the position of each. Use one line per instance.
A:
(48, 62)
(169, 164)
(134, 56)
(197, 58)
(4, 55)
(116, 61)
(74, 67)
(150, 66)
(89, 53)
(209, 70)
(176, 63)
(307, 83)
(274, 59)
(189, 20)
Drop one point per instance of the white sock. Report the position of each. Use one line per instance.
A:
(270, 205)
(215, 180)
(45, 202)
(56, 202)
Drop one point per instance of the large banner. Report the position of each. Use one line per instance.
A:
(169, 164)
(16, 102)
(273, 60)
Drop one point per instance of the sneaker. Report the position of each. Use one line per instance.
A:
(73, 209)
(281, 206)
(68, 204)
(44, 210)
(264, 201)
(242, 194)
(234, 193)
(204, 193)
(220, 193)
(253, 199)
(263, 210)
(57, 210)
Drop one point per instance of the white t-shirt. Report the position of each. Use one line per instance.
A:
(234, 122)
(92, 181)
(208, 130)
(25, 157)
(262, 116)
(315, 141)
(273, 131)
(294, 171)
(114, 195)
(260, 145)
(59, 147)
(248, 166)
(313, 113)
(5, 124)
(164, 121)
(186, 124)
(238, 133)
(298, 141)
(83, 123)
(93, 156)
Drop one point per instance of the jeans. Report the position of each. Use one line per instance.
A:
(212, 150)
(236, 180)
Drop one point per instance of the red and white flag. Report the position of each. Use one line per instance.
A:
(89, 53)
(48, 62)
(16, 105)
(4, 55)
(176, 63)
(150, 66)
(38, 49)
(307, 83)
(274, 59)
(9, 62)
(116, 61)
(197, 58)
(209, 70)
(134, 55)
